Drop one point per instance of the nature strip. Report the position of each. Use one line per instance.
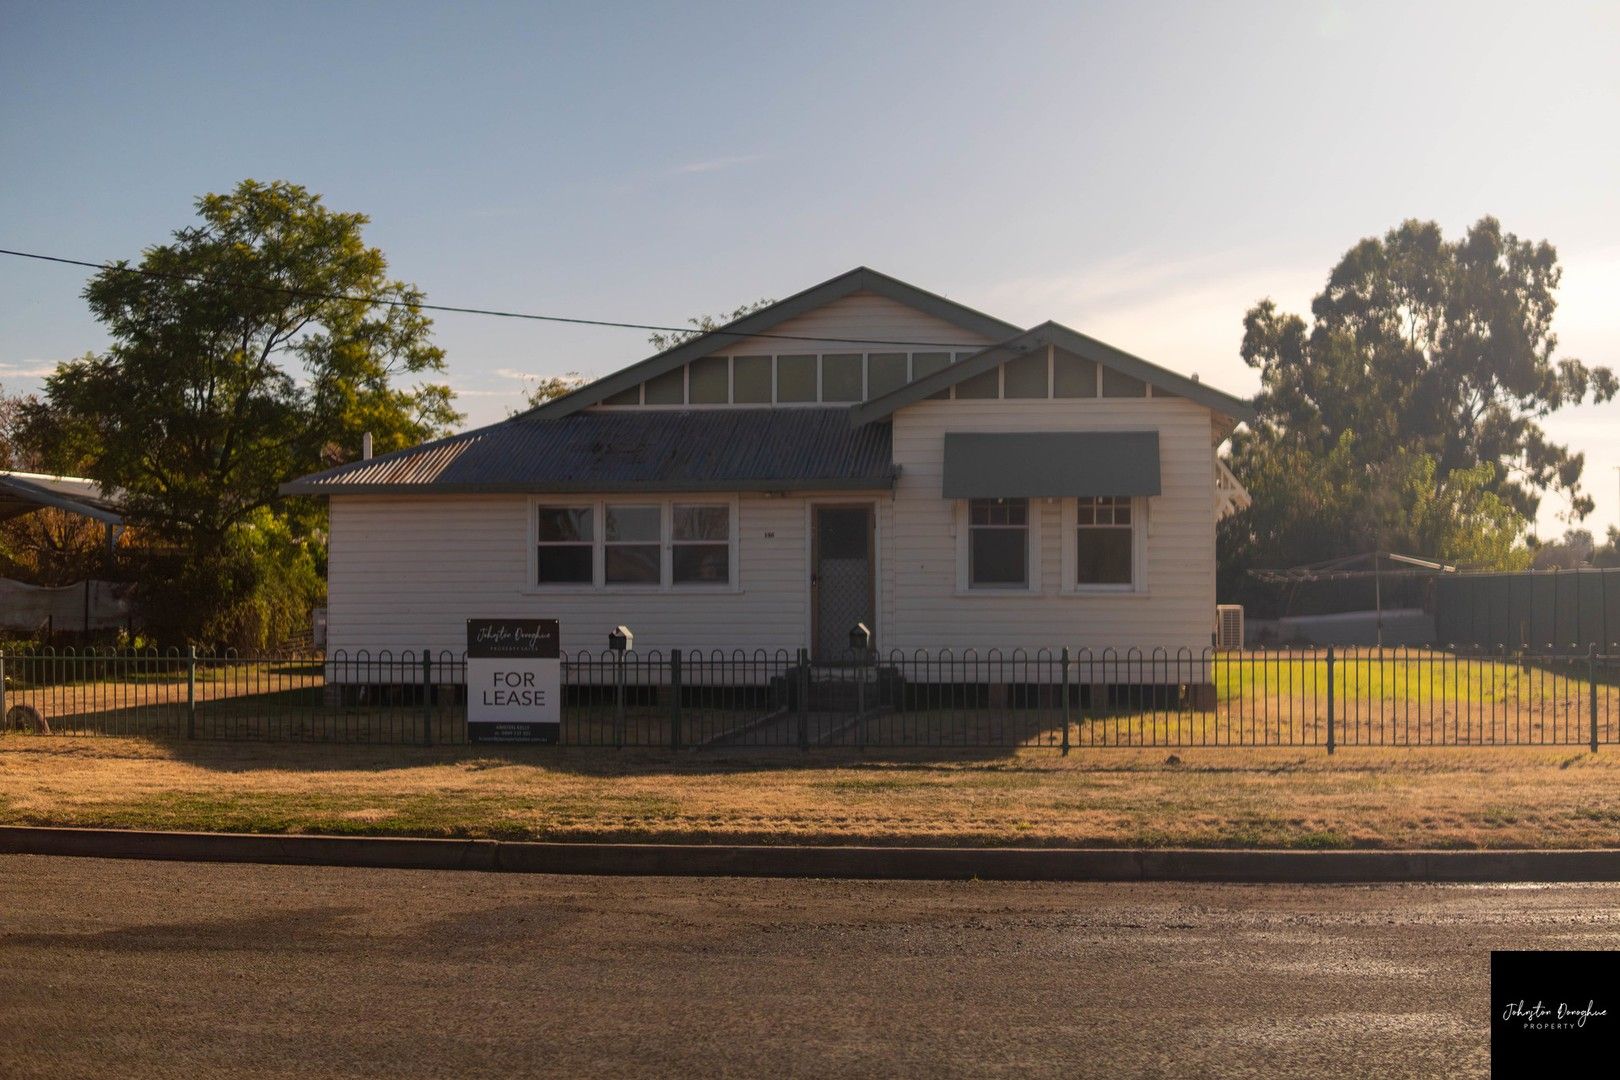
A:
(762, 860)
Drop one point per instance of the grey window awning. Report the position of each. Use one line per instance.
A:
(1039, 464)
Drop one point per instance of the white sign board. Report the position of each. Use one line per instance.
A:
(514, 680)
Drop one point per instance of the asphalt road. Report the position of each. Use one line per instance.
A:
(141, 969)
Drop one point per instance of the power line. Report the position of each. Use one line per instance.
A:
(388, 301)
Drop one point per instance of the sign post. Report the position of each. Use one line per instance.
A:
(514, 680)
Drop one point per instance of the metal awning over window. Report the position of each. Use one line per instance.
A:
(1039, 464)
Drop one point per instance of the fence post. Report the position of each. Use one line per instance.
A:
(1591, 678)
(804, 699)
(618, 700)
(2, 689)
(674, 699)
(427, 697)
(191, 692)
(1330, 740)
(1063, 665)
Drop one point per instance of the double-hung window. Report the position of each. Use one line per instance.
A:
(566, 550)
(632, 549)
(1105, 542)
(700, 544)
(647, 545)
(998, 543)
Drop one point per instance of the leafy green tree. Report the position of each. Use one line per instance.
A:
(1406, 415)
(240, 358)
(544, 389)
(12, 453)
(257, 345)
(1442, 347)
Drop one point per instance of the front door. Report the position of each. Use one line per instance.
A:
(841, 592)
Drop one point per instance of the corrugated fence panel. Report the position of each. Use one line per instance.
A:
(1559, 611)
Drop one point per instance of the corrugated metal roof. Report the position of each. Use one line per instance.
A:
(641, 450)
(24, 492)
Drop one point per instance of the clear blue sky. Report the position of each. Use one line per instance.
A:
(1142, 172)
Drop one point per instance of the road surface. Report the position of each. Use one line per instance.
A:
(147, 969)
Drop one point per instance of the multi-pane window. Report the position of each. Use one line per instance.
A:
(631, 552)
(700, 544)
(658, 544)
(1104, 541)
(998, 543)
(565, 545)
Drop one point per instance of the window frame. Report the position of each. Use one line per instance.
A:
(657, 542)
(964, 552)
(594, 509)
(671, 543)
(598, 510)
(1138, 585)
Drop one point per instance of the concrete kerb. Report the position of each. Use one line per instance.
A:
(758, 860)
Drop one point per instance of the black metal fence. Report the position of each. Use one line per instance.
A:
(1062, 699)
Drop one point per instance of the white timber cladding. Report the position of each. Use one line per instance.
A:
(866, 318)
(1170, 605)
(406, 572)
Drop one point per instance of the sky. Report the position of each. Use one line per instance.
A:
(1142, 172)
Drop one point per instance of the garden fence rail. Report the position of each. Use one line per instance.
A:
(1063, 699)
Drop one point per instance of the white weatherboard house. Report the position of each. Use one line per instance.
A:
(862, 452)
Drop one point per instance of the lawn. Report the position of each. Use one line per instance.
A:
(1469, 798)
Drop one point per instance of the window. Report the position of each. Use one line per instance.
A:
(1025, 377)
(565, 554)
(986, 384)
(924, 364)
(631, 552)
(795, 378)
(1073, 376)
(751, 380)
(1114, 384)
(998, 543)
(700, 544)
(638, 546)
(1105, 541)
(666, 389)
(885, 372)
(841, 377)
(709, 382)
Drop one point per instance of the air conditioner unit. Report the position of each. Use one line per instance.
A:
(1229, 626)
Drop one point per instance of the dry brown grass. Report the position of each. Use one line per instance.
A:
(1204, 797)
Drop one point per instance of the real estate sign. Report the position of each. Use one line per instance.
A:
(514, 680)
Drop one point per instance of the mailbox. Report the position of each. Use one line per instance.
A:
(860, 637)
(621, 640)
